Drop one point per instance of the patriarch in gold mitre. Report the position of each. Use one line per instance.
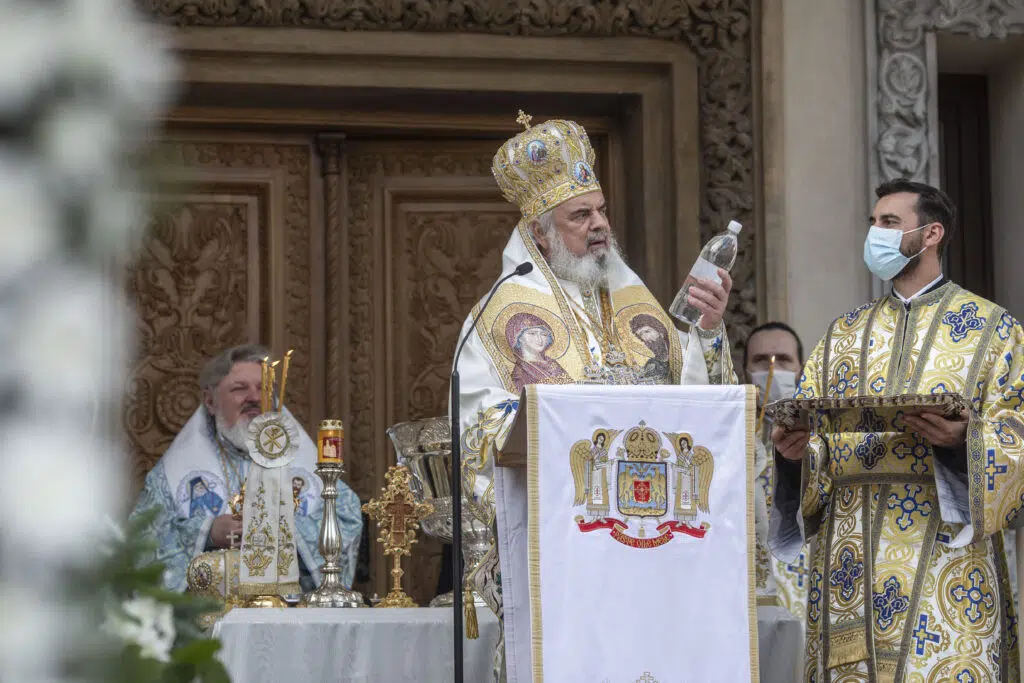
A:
(580, 316)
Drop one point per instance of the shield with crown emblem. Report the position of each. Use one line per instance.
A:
(658, 476)
(642, 481)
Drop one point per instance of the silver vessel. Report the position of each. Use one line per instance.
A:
(425, 447)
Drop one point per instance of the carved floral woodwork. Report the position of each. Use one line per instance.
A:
(445, 263)
(418, 255)
(190, 282)
(718, 31)
(904, 74)
(189, 292)
(450, 260)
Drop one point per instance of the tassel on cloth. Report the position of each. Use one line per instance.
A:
(469, 609)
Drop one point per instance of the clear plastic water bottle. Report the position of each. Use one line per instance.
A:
(719, 252)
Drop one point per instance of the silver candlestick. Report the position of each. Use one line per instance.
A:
(331, 593)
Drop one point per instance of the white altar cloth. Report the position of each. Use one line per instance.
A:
(350, 645)
(398, 645)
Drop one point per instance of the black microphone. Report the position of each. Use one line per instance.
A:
(456, 479)
(521, 269)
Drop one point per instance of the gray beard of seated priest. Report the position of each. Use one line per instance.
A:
(196, 486)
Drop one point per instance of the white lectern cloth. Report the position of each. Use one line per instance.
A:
(588, 597)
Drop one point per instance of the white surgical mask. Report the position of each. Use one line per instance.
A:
(783, 384)
(882, 251)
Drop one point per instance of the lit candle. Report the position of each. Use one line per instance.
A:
(767, 392)
(330, 442)
(265, 374)
(270, 385)
(284, 379)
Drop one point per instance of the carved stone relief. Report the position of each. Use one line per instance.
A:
(718, 31)
(904, 74)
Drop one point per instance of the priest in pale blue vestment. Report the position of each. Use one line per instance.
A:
(200, 479)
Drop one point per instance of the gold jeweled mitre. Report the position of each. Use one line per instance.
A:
(545, 165)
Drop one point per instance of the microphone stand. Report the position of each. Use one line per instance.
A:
(456, 486)
(456, 478)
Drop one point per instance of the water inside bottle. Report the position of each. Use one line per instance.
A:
(719, 252)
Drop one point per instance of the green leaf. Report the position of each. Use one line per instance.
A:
(135, 667)
(213, 671)
(197, 652)
(179, 673)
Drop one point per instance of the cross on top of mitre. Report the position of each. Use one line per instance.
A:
(524, 119)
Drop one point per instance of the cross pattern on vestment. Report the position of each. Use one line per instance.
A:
(800, 569)
(844, 576)
(992, 469)
(976, 596)
(918, 451)
(923, 636)
(646, 678)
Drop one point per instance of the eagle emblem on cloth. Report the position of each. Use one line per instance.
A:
(657, 492)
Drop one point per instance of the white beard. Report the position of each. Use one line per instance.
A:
(589, 270)
(236, 434)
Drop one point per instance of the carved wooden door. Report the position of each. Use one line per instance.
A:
(226, 260)
(415, 243)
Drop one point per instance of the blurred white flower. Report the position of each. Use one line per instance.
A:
(23, 34)
(78, 143)
(148, 624)
(82, 482)
(116, 223)
(106, 35)
(79, 334)
(29, 233)
(28, 627)
(86, 84)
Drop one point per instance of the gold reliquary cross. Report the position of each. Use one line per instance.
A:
(397, 515)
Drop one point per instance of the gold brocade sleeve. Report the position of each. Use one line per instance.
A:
(995, 435)
(717, 355)
(479, 445)
(815, 482)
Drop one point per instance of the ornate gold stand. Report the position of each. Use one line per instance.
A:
(397, 515)
(330, 592)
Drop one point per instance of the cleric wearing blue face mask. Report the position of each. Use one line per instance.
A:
(908, 514)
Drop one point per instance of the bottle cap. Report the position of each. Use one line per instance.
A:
(735, 227)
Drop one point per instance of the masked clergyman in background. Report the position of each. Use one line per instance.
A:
(778, 341)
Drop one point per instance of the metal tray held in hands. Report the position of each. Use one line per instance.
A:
(860, 413)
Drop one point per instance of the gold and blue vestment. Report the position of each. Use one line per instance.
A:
(908, 580)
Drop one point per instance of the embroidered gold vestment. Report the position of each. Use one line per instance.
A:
(909, 579)
(539, 329)
(787, 578)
